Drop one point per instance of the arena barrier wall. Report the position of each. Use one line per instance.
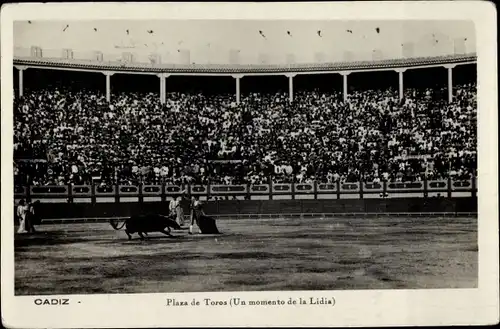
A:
(248, 207)
(314, 190)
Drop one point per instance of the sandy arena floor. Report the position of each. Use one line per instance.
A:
(252, 254)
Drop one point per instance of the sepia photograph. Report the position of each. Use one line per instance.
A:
(172, 156)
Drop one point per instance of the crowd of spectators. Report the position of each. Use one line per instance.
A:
(65, 136)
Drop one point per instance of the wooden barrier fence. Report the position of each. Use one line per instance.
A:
(314, 190)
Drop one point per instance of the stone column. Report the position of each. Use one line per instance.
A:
(345, 86)
(401, 83)
(108, 85)
(290, 86)
(21, 82)
(163, 92)
(450, 81)
(160, 76)
(238, 77)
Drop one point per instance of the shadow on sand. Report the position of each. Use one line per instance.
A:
(46, 239)
(52, 238)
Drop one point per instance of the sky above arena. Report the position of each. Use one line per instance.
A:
(210, 41)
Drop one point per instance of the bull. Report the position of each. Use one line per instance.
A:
(142, 224)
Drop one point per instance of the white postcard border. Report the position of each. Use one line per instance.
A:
(354, 308)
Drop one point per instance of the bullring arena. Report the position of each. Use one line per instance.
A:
(329, 181)
(294, 251)
(355, 252)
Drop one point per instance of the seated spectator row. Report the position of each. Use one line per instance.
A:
(63, 136)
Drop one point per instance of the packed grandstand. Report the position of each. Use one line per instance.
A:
(77, 136)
